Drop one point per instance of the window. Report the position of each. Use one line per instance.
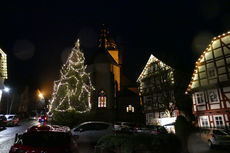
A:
(155, 105)
(130, 108)
(102, 99)
(149, 118)
(200, 98)
(101, 126)
(148, 100)
(204, 122)
(219, 121)
(87, 127)
(163, 115)
(211, 73)
(213, 96)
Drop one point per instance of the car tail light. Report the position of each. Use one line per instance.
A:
(40, 117)
(45, 118)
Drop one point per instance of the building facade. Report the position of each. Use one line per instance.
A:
(3, 72)
(210, 84)
(156, 83)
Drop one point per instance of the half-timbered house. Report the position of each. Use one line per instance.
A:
(210, 84)
(156, 89)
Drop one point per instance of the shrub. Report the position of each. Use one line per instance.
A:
(71, 118)
(167, 143)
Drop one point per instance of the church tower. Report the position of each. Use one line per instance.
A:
(104, 68)
(107, 42)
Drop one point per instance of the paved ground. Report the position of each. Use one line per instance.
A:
(7, 135)
(196, 145)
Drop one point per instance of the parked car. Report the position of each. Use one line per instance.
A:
(12, 119)
(216, 137)
(43, 118)
(90, 132)
(151, 129)
(3, 121)
(45, 139)
(124, 127)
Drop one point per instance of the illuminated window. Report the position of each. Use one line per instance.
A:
(102, 99)
(130, 108)
(213, 96)
(204, 122)
(219, 121)
(200, 98)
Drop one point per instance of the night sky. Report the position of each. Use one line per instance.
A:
(37, 35)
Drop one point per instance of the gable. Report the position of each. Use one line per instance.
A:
(147, 69)
(213, 66)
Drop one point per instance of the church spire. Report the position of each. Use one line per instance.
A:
(103, 38)
(105, 41)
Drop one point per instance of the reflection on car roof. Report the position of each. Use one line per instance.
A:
(51, 128)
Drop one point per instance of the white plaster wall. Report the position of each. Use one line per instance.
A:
(200, 108)
(215, 106)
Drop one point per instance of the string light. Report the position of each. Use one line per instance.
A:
(203, 54)
(75, 82)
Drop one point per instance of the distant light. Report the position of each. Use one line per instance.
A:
(6, 89)
(41, 95)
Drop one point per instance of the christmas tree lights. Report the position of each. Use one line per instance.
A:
(72, 91)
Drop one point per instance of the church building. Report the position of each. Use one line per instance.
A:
(105, 68)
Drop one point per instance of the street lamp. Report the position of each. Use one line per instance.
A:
(40, 95)
(41, 101)
(7, 90)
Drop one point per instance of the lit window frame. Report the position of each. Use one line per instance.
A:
(102, 100)
(218, 122)
(204, 121)
(200, 97)
(212, 99)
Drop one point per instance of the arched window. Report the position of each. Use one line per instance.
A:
(102, 99)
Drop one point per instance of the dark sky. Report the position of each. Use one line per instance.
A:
(37, 34)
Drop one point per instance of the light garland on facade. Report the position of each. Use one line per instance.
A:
(200, 59)
(72, 81)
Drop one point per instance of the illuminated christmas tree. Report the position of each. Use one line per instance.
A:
(72, 91)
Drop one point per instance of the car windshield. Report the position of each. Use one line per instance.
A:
(46, 139)
(220, 132)
(2, 117)
(10, 117)
(227, 131)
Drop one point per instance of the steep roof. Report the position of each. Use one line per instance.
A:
(105, 43)
(208, 54)
(152, 59)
